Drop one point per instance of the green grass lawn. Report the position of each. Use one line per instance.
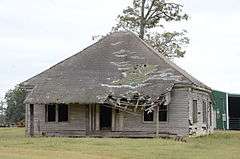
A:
(221, 145)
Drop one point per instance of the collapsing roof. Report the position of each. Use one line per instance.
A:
(120, 64)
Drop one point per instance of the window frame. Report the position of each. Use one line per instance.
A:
(47, 113)
(66, 113)
(143, 117)
(204, 112)
(162, 110)
(56, 113)
(195, 115)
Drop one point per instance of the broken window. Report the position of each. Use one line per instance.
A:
(52, 109)
(148, 116)
(204, 112)
(62, 112)
(163, 113)
(194, 111)
(50, 112)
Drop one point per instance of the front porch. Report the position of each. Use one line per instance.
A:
(93, 120)
(102, 119)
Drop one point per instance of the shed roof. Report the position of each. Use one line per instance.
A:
(118, 64)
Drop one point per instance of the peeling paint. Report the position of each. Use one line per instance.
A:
(117, 43)
(124, 74)
(132, 52)
(164, 71)
(124, 69)
(121, 63)
(121, 56)
(122, 51)
(137, 57)
(166, 74)
(123, 86)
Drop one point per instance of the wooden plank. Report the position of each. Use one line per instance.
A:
(87, 119)
(93, 116)
(157, 121)
(121, 118)
(56, 117)
(113, 119)
(90, 117)
(97, 122)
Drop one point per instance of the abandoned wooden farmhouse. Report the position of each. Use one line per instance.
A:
(117, 87)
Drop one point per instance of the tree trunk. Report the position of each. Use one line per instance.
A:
(142, 25)
(142, 31)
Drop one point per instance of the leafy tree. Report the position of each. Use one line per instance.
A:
(15, 110)
(144, 16)
(2, 113)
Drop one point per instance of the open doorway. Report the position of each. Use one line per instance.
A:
(105, 118)
(234, 112)
(31, 120)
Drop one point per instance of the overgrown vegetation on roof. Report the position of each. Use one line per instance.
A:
(136, 75)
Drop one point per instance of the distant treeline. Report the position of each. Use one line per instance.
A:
(12, 108)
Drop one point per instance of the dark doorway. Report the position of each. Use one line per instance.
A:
(234, 112)
(105, 118)
(31, 120)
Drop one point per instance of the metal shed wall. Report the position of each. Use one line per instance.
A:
(234, 111)
(219, 105)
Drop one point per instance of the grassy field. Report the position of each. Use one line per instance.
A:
(221, 145)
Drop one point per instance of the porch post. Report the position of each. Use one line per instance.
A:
(97, 117)
(87, 119)
(26, 120)
(90, 117)
(157, 121)
(93, 117)
(121, 118)
(113, 119)
(56, 118)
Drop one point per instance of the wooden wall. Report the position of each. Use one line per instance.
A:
(75, 126)
(201, 128)
(177, 117)
(84, 120)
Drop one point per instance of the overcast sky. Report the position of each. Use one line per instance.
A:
(35, 35)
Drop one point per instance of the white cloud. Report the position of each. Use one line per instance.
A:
(214, 51)
(37, 34)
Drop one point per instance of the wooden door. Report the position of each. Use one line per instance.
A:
(105, 118)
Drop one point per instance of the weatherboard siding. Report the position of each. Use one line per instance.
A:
(177, 117)
(27, 120)
(125, 124)
(200, 127)
(75, 126)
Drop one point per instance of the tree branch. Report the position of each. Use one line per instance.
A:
(170, 17)
(179, 5)
(150, 9)
(152, 15)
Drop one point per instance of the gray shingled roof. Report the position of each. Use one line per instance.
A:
(118, 64)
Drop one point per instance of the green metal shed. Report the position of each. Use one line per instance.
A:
(233, 107)
(227, 108)
(220, 106)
